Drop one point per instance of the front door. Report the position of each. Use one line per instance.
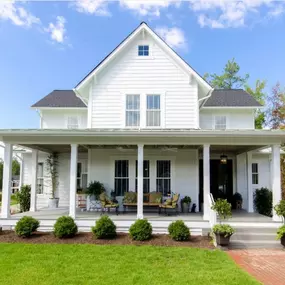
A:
(221, 179)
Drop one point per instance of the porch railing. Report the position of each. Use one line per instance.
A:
(212, 213)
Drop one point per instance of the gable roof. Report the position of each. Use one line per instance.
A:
(142, 26)
(231, 98)
(60, 99)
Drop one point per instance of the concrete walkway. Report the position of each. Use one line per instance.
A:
(266, 265)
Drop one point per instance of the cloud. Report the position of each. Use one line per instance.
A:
(17, 14)
(148, 7)
(233, 14)
(96, 7)
(57, 30)
(174, 37)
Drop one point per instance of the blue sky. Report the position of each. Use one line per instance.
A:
(53, 45)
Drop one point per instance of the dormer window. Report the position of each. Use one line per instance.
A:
(143, 50)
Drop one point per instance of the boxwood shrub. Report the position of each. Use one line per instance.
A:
(26, 226)
(65, 227)
(104, 228)
(179, 231)
(141, 230)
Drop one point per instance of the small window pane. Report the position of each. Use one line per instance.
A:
(143, 50)
(132, 110)
(40, 179)
(79, 170)
(72, 123)
(121, 177)
(254, 168)
(153, 118)
(132, 118)
(220, 122)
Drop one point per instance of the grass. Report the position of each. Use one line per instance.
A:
(112, 264)
(13, 200)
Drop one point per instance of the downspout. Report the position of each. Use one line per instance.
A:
(41, 118)
(79, 96)
(209, 94)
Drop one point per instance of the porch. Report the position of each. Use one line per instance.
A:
(172, 167)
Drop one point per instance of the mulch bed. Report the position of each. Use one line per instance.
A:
(121, 239)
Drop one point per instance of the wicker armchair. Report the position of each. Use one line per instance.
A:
(170, 204)
(107, 204)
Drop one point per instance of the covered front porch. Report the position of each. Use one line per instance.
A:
(151, 161)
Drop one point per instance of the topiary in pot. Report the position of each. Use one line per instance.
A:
(223, 232)
(26, 226)
(140, 230)
(104, 228)
(65, 227)
(263, 201)
(179, 231)
(280, 209)
(281, 235)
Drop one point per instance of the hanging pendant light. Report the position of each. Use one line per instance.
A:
(223, 159)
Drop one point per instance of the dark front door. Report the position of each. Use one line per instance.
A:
(221, 179)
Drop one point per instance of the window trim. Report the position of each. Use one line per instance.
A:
(255, 173)
(214, 121)
(157, 110)
(143, 45)
(74, 116)
(125, 109)
(170, 177)
(40, 177)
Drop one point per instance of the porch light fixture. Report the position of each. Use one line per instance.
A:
(223, 159)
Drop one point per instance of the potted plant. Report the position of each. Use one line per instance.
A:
(237, 201)
(185, 203)
(280, 211)
(223, 232)
(94, 189)
(52, 169)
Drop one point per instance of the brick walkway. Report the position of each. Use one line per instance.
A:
(266, 265)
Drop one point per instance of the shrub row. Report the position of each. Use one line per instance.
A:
(65, 227)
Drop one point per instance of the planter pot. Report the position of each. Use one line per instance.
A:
(222, 240)
(185, 207)
(282, 240)
(53, 203)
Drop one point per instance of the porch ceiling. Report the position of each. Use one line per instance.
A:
(65, 148)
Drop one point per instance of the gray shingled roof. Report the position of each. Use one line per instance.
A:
(231, 98)
(60, 99)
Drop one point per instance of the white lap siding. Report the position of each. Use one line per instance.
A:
(157, 73)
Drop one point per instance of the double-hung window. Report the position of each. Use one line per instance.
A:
(132, 110)
(82, 174)
(220, 122)
(145, 176)
(40, 178)
(163, 176)
(72, 122)
(254, 168)
(121, 177)
(143, 50)
(153, 111)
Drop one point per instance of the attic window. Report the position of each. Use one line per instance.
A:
(143, 50)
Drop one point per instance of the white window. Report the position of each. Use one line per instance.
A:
(163, 177)
(220, 122)
(145, 176)
(153, 111)
(72, 122)
(121, 177)
(81, 175)
(40, 178)
(132, 110)
(254, 169)
(143, 50)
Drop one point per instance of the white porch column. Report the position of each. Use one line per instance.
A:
(276, 178)
(249, 183)
(206, 179)
(140, 182)
(34, 174)
(21, 161)
(73, 177)
(7, 178)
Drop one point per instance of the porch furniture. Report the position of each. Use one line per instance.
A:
(169, 204)
(107, 204)
(81, 201)
(152, 199)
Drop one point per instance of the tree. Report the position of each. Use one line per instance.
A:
(229, 79)
(15, 167)
(259, 94)
(276, 109)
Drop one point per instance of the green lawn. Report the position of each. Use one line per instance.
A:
(116, 265)
(13, 200)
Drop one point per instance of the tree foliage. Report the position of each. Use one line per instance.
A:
(276, 109)
(1, 173)
(15, 167)
(229, 79)
(260, 95)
